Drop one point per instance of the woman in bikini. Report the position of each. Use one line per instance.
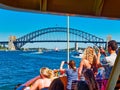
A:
(89, 61)
(44, 81)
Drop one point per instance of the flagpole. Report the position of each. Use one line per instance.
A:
(68, 40)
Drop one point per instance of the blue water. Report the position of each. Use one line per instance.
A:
(20, 66)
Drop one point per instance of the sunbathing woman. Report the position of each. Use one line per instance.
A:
(44, 81)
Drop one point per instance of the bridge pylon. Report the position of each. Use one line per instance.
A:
(76, 46)
(11, 45)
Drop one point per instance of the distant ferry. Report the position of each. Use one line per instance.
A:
(40, 51)
(56, 49)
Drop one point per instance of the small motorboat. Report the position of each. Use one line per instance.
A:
(77, 54)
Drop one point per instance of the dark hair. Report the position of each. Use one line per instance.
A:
(17, 86)
(56, 85)
(89, 76)
(113, 44)
(72, 64)
(82, 85)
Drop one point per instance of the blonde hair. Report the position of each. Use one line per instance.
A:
(47, 72)
(51, 73)
(44, 71)
(89, 54)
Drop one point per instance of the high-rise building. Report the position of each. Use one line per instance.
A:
(109, 37)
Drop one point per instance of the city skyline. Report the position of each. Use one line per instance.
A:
(21, 23)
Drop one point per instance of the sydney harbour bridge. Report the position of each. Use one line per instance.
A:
(55, 34)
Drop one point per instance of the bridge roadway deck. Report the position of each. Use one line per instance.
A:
(6, 42)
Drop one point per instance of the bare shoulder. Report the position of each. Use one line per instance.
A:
(84, 61)
(35, 85)
(37, 81)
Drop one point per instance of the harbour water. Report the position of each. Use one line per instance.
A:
(20, 66)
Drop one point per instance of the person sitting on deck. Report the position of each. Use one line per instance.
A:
(89, 61)
(72, 72)
(44, 81)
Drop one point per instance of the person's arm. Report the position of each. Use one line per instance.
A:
(103, 52)
(98, 57)
(108, 59)
(61, 67)
(30, 82)
(80, 68)
(35, 85)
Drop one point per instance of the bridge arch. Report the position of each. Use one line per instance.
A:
(30, 36)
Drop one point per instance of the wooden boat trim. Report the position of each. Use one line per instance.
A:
(114, 74)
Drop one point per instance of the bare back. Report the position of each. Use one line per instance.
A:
(86, 64)
(41, 83)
